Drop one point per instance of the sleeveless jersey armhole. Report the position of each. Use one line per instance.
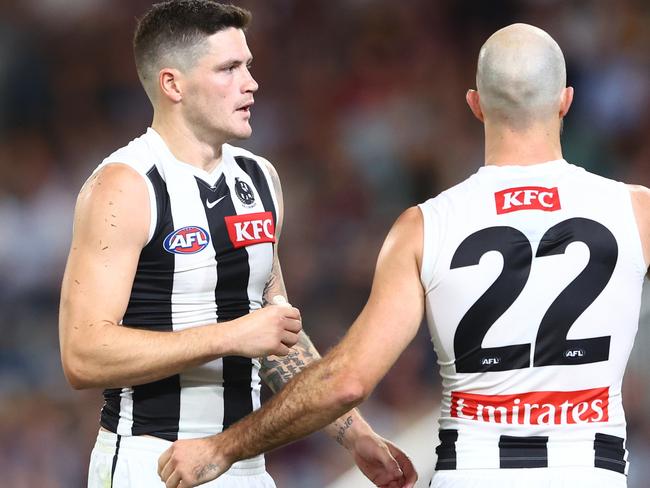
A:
(428, 248)
(637, 245)
(153, 209)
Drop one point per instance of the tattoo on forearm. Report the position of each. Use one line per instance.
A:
(275, 284)
(347, 423)
(266, 299)
(202, 471)
(277, 371)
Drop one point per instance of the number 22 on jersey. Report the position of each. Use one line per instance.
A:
(551, 345)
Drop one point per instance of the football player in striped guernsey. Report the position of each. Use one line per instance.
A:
(173, 299)
(529, 273)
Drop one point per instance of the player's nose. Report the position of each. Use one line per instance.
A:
(250, 85)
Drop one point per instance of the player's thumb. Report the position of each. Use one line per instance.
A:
(280, 301)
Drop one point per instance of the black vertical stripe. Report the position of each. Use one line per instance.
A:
(609, 452)
(150, 302)
(523, 452)
(446, 450)
(110, 415)
(252, 169)
(163, 208)
(156, 406)
(114, 465)
(231, 297)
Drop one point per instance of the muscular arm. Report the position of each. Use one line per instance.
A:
(276, 371)
(110, 229)
(347, 375)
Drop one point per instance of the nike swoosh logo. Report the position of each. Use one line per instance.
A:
(210, 204)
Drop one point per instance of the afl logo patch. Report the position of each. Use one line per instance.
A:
(188, 240)
(244, 193)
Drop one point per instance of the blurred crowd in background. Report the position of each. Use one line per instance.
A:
(361, 109)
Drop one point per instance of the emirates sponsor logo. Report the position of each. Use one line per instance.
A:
(534, 408)
(248, 229)
(527, 198)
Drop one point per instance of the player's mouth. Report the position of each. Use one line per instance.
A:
(245, 108)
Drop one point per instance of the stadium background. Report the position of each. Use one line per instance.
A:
(361, 108)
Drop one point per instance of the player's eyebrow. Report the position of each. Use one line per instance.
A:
(235, 62)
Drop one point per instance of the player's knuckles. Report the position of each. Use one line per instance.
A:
(292, 325)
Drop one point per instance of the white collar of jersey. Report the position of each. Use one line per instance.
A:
(537, 168)
(164, 152)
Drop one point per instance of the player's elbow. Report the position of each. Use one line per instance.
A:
(76, 371)
(350, 392)
(76, 376)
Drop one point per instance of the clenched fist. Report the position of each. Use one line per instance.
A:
(272, 330)
(188, 463)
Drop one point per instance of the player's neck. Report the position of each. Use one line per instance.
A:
(186, 145)
(504, 146)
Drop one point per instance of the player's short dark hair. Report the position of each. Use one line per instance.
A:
(178, 25)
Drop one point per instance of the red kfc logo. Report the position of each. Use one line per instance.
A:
(527, 198)
(253, 228)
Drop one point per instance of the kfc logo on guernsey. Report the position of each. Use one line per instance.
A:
(188, 240)
(534, 408)
(527, 198)
(253, 228)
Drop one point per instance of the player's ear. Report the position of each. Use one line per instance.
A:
(473, 100)
(170, 84)
(565, 100)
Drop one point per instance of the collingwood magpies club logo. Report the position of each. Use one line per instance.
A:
(244, 193)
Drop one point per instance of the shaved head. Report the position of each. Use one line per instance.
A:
(520, 76)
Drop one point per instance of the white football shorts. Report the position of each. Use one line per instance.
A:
(578, 477)
(136, 465)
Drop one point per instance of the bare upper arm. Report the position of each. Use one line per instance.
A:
(641, 203)
(394, 311)
(111, 225)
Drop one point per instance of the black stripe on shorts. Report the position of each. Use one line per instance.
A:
(523, 452)
(117, 450)
(446, 451)
(609, 453)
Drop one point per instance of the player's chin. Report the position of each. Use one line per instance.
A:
(242, 131)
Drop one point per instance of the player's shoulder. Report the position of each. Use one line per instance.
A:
(410, 220)
(113, 182)
(123, 170)
(639, 192)
(139, 153)
(640, 199)
(586, 177)
(406, 234)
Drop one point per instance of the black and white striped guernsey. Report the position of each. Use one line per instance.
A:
(208, 258)
(533, 277)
